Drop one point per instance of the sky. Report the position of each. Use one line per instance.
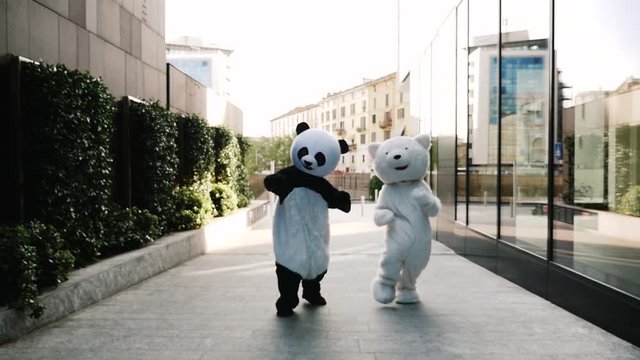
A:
(290, 53)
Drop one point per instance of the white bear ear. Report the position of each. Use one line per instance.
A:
(424, 140)
(372, 148)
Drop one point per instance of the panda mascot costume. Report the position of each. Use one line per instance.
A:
(301, 220)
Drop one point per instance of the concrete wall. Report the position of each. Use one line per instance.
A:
(121, 41)
(187, 95)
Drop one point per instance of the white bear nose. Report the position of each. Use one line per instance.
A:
(397, 157)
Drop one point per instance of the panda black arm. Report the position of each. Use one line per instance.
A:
(279, 183)
(335, 198)
(341, 200)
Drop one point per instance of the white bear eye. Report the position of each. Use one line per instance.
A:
(406, 148)
(387, 153)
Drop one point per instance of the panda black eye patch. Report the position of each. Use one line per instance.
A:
(320, 159)
(303, 152)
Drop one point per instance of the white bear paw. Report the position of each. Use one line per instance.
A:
(383, 293)
(407, 297)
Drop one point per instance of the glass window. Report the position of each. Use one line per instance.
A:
(424, 84)
(524, 110)
(443, 111)
(597, 143)
(483, 116)
(363, 138)
(462, 95)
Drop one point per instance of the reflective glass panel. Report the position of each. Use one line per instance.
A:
(462, 116)
(597, 148)
(524, 117)
(483, 115)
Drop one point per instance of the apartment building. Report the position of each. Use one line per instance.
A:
(372, 111)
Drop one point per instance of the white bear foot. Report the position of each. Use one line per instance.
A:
(383, 293)
(407, 297)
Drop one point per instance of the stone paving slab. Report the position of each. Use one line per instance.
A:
(221, 306)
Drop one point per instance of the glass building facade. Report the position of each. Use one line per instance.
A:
(534, 108)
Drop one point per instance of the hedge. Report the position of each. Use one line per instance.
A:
(68, 126)
(32, 257)
(196, 149)
(154, 159)
(179, 179)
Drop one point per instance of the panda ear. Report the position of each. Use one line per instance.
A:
(344, 147)
(424, 140)
(301, 127)
(373, 148)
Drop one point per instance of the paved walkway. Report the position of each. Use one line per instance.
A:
(221, 306)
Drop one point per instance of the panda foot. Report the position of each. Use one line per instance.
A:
(382, 293)
(407, 297)
(316, 300)
(285, 312)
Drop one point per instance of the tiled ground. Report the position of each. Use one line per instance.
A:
(221, 306)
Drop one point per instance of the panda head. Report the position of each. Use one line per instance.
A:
(315, 151)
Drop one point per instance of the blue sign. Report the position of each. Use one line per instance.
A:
(557, 151)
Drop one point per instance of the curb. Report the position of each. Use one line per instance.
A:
(98, 281)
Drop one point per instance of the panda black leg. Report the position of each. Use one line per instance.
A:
(288, 283)
(311, 291)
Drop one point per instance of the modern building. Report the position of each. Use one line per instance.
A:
(121, 42)
(536, 144)
(210, 66)
(372, 111)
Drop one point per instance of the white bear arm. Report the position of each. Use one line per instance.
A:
(429, 203)
(383, 217)
(432, 208)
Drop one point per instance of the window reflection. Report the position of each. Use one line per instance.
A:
(524, 117)
(462, 117)
(597, 150)
(443, 112)
(483, 120)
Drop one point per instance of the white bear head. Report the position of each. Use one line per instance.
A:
(401, 158)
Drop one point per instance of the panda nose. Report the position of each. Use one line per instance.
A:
(307, 163)
(396, 157)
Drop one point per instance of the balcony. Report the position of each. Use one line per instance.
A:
(340, 131)
(387, 122)
(361, 128)
(353, 147)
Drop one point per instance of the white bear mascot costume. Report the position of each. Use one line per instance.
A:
(405, 204)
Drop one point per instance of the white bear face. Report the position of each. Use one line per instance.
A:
(315, 151)
(401, 158)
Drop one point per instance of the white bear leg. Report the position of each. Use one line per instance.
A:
(383, 286)
(407, 296)
(383, 290)
(413, 266)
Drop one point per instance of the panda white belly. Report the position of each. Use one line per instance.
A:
(301, 233)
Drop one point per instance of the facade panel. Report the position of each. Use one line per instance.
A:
(546, 154)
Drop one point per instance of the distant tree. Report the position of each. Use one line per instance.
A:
(263, 150)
